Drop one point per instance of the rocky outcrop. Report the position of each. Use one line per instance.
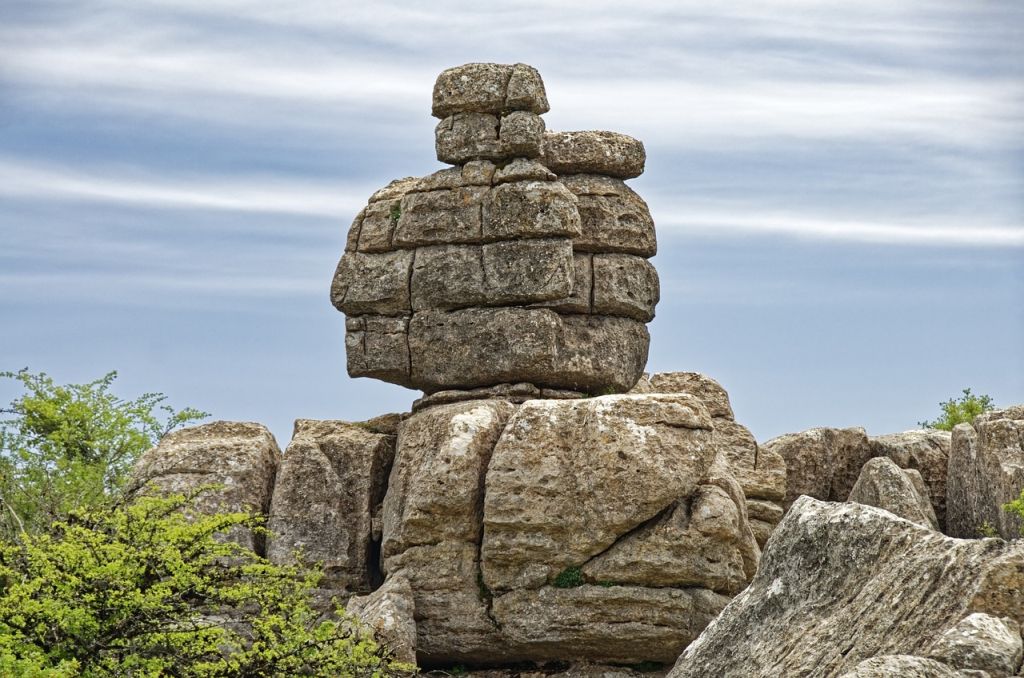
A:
(390, 612)
(844, 583)
(986, 470)
(760, 472)
(326, 499)
(823, 463)
(981, 642)
(499, 271)
(923, 450)
(239, 459)
(599, 529)
(885, 485)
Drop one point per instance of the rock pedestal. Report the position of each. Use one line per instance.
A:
(526, 262)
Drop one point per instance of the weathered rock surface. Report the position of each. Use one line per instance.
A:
(240, 458)
(927, 451)
(569, 477)
(519, 276)
(823, 463)
(390, 612)
(607, 153)
(885, 485)
(328, 490)
(843, 583)
(981, 642)
(986, 470)
(905, 666)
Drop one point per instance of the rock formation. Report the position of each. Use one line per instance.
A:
(844, 583)
(900, 491)
(986, 470)
(498, 271)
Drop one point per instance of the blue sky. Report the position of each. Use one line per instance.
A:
(838, 189)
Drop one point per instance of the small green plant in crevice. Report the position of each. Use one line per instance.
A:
(608, 584)
(1016, 507)
(396, 211)
(569, 578)
(987, 530)
(457, 670)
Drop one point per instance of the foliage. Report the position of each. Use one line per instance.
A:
(68, 446)
(151, 589)
(960, 410)
(569, 578)
(1016, 507)
(987, 530)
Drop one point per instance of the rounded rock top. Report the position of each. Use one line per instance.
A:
(489, 88)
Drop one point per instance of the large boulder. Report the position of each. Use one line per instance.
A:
(390, 612)
(239, 459)
(981, 642)
(923, 450)
(603, 529)
(823, 463)
(885, 485)
(986, 470)
(328, 492)
(843, 583)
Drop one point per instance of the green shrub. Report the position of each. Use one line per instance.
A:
(960, 410)
(140, 589)
(1016, 507)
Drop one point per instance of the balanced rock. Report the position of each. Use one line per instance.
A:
(841, 583)
(238, 459)
(497, 271)
(986, 470)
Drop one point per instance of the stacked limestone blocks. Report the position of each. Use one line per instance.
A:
(498, 271)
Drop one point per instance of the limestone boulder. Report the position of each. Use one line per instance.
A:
(823, 463)
(842, 583)
(327, 494)
(489, 88)
(606, 153)
(986, 470)
(981, 642)
(924, 450)
(569, 478)
(613, 218)
(885, 485)
(390, 612)
(239, 458)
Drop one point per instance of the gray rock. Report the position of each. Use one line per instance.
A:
(378, 347)
(613, 218)
(441, 217)
(448, 276)
(983, 643)
(842, 583)
(480, 347)
(924, 450)
(696, 384)
(904, 666)
(390, 612)
(522, 169)
(608, 153)
(986, 470)
(372, 283)
(489, 88)
(527, 271)
(625, 285)
(465, 137)
(621, 624)
(329, 485)
(240, 458)
(570, 477)
(885, 485)
(823, 463)
(530, 209)
(579, 300)
(521, 135)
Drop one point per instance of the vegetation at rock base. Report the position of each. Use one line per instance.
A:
(148, 588)
(64, 447)
(96, 583)
(1017, 508)
(960, 410)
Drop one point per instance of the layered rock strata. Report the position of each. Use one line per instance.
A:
(498, 270)
(843, 586)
